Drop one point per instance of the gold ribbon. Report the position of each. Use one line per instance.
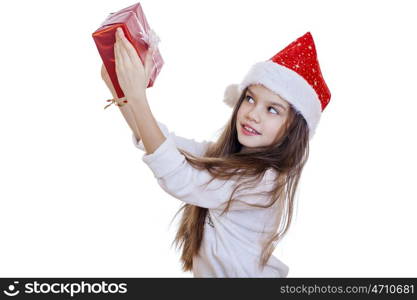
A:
(116, 101)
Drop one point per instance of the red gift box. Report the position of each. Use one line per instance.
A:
(136, 29)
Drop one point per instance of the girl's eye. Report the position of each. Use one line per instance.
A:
(247, 97)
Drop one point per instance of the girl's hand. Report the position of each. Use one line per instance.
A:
(106, 78)
(133, 76)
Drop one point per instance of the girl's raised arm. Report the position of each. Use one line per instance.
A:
(151, 135)
(133, 77)
(125, 110)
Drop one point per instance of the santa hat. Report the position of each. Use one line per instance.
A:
(294, 74)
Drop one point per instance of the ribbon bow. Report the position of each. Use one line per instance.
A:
(115, 101)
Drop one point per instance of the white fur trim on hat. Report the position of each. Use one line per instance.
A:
(286, 83)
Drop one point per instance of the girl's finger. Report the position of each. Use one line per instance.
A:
(124, 55)
(127, 46)
(116, 54)
(149, 63)
(151, 53)
(117, 58)
(120, 62)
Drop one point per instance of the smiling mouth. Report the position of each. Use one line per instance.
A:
(246, 131)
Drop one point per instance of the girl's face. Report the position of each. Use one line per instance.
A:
(264, 111)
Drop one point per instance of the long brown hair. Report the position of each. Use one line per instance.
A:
(225, 158)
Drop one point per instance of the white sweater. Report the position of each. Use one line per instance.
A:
(231, 245)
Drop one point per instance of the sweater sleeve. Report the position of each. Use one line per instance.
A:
(181, 180)
(190, 145)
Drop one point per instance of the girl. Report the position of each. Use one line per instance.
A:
(238, 192)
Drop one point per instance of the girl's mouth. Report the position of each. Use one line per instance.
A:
(246, 131)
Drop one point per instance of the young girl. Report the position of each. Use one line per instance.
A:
(238, 192)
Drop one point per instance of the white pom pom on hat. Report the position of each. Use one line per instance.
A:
(231, 94)
(294, 74)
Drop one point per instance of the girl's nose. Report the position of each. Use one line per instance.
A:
(253, 115)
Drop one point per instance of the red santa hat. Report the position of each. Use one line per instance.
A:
(294, 74)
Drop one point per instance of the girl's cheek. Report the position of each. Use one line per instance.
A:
(243, 109)
(240, 112)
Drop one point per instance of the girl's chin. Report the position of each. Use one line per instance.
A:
(248, 142)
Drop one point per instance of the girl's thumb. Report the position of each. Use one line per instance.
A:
(149, 56)
(149, 66)
(151, 51)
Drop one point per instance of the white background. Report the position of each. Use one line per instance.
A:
(76, 199)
